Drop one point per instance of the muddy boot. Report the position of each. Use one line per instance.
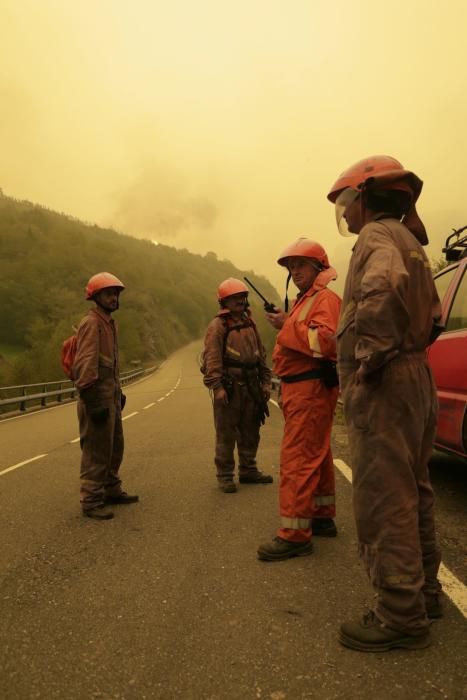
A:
(370, 634)
(99, 513)
(255, 477)
(228, 486)
(280, 549)
(122, 499)
(323, 527)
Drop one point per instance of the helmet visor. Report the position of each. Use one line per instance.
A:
(344, 200)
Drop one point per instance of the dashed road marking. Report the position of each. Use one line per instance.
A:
(21, 464)
(344, 469)
(130, 415)
(149, 405)
(75, 440)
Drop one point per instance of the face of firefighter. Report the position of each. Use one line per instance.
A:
(348, 212)
(236, 303)
(108, 298)
(304, 272)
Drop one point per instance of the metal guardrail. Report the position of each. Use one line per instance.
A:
(54, 390)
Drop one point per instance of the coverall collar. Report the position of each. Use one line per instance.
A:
(105, 317)
(226, 312)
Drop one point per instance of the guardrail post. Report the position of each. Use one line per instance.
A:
(22, 405)
(44, 399)
(59, 396)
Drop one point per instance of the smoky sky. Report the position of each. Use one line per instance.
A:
(219, 126)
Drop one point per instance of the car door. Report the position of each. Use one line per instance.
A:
(448, 359)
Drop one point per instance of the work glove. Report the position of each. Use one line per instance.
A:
(99, 415)
(122, 401)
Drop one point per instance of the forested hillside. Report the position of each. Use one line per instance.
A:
(46, 259)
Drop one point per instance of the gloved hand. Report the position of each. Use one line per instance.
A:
(122, 401)
(99, 415)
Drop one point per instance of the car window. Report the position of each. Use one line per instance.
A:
(458, 314)
(443, 281)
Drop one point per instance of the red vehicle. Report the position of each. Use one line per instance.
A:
(448, 355)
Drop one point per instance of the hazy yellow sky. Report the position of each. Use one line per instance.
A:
(220, 125)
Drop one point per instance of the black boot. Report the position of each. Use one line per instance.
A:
(280, 549)
(323, 527)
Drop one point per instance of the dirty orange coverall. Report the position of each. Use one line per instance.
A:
(96, 368)
(307, 488)
(389, 308)
(234, 348)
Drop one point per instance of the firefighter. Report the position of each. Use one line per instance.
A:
(235, 371)
(304, 360)
(390, 315)
(96, 375)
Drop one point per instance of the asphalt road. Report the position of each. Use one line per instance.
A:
(168, 600)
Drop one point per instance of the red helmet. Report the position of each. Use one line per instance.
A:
(231, 286)
(382, 173)
(101, 281)
(304, 248)
(371, 171)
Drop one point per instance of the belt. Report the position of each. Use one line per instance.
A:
(240, 365)
(311, 374)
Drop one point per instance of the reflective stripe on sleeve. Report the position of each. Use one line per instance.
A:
(313, 342)
(324, 500)
(295, 523)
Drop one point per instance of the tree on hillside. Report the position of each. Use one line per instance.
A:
(46, 259)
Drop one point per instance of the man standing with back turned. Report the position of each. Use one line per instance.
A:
(96, 375)
(389, 317)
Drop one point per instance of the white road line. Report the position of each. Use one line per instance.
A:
(21, 464)
(75, 440)
(130, 415)
(453, 588)
(161, 399)
(344, 469)
(275, 404)
(149, 405)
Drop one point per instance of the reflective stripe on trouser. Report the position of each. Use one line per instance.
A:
(307, 488)
(391, 428)
(236, 424)
(102, 454)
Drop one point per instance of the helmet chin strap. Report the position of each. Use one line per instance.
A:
(286, 300)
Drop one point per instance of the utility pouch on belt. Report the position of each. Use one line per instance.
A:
(330, 376)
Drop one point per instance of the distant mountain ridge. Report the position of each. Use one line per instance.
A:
(46, 259)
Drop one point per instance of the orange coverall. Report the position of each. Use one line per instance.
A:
(389, 309)
(307, 488)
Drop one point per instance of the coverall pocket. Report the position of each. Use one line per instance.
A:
(356, 405)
